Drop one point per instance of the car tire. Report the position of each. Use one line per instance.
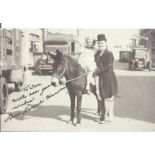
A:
(3, 95)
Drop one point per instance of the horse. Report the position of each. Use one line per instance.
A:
(66, 66)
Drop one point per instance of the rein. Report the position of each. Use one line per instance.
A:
(64, 69)
(61, 75)
(78, 77)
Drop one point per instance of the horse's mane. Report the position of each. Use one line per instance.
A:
(72, 63)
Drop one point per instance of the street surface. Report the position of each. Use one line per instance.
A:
(134, 108)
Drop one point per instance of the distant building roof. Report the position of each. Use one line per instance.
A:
(60, 39)
(146, 31)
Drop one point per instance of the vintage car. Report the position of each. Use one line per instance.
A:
(125, 56)
(139, 60)
(63, 42)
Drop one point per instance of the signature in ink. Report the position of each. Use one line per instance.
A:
(19, 98)
(25, 102)
(30, 87)
(34, 92)
(44, 88)
(31, 92)
(27, 109)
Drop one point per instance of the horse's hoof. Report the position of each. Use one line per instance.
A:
(69, 121)
(97, 120)
(102, 122)
(97, 113)
(74, 124)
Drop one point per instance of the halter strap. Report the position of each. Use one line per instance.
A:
(64, 69)
(63, 72)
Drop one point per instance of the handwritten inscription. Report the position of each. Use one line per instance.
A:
(26, 89)
(44, 88)
(19, 113)
(30, 87)
(25, 102)
(30, 96)
(19, 98)
(33, 93)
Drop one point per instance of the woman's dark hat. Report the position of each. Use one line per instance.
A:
(101, 37)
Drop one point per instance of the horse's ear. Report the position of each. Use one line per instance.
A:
(59, 54)
(52, 55)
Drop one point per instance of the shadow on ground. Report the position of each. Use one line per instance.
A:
(137, 102)
(55, 112)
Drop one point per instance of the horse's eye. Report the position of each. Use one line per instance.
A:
(60, 66)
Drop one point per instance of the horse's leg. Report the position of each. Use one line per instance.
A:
(72, 97)
(79, 100)
(72, 108)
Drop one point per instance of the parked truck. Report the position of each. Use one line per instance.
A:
(64, 42)
(11, 68)
(139, 60)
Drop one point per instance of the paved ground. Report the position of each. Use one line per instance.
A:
(134, 109)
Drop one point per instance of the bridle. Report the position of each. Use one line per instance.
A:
(63, 72)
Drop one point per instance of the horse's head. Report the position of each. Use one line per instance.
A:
(59, 67)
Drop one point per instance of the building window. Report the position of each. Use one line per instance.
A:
(34, 43)
(8, 41)
(143, 42)
(34, 47)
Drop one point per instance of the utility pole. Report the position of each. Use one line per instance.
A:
(43, 34)
(78, 32)
(43, 38)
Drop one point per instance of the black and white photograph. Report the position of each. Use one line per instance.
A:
(75, 80)
(77, 77)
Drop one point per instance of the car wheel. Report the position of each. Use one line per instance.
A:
(3, 95)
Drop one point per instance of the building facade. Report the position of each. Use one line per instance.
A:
(149, 43)
(32, 45)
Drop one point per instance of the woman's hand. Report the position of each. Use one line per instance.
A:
(96, 72)
(62, 81)
(87, 69)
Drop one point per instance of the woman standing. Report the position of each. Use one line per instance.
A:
(107, 80)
